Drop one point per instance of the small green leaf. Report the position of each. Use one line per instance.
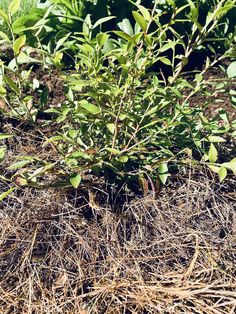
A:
(75, 180)
(12, 84)
(14, 6)
(4, 36)
(230, 165)
(164, 60)
(4, 16)
(2, 152)
(103, 20)
(111, 127)
(222, 173)
(193, 9)
(212, 154)
(19, 164)
(140, 20)
(102, 38)
(163, 172)
(231, 70)
(91, 108)
(216, 139)
(87, 25)
(2, 90)
(5, 194)
(126, 27)
(18, 44)
(3, 136)
(167, 46)
(108, 46)
(213, 168)
(123, 159)
(125, 36)
(113, 151)
(144, 12)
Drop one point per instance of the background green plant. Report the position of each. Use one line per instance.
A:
(122, 119)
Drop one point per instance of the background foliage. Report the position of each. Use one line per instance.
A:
(127, 113)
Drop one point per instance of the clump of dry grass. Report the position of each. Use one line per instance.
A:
(175, 254)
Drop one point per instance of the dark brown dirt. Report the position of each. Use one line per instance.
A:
(51, 80)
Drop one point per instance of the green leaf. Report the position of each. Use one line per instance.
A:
(3, 136)
(102, 38)
(212, 154)
(113, 151)
(123, 159)
(144, 12)
(126, 27)
(5, 194)
(18, 44)
(164, 60)
(12, 84)
(14, 6)
(4, 16)
(2, 152)
(108, 46)
(87, 25)
(111, 127)
(75, 180)
(193, 9)
(89, 107)
(140, 20)
(125, 36)
(213, 168)
(222, 173)
(103, 20)
(19, 164)
(163, 172)
(215, 139)
(2, 90)
(4, 36)
(230, 165)
(231, 70)
(167, 46)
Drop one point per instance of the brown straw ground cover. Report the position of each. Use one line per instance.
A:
(173, 254)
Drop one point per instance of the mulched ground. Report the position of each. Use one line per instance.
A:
(175, 254)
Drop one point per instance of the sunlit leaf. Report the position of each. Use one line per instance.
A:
(163, 172)
(222, 173)
(103, 20)
(14, 6)
(19, 164)
(126, 27)
(212, 154)
(5, 194)
(4, 16)
(111, 127)
(216, 139)
(231, 70)
(4, 136)
(125, 36)
(140, 20)
(18, 44)
(91, 108)
(75, 180)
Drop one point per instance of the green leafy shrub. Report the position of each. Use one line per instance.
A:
(121, 119)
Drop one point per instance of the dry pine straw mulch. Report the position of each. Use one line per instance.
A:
(175, 254)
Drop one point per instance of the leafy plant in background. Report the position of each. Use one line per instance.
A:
(121, 119)
(125, 118)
